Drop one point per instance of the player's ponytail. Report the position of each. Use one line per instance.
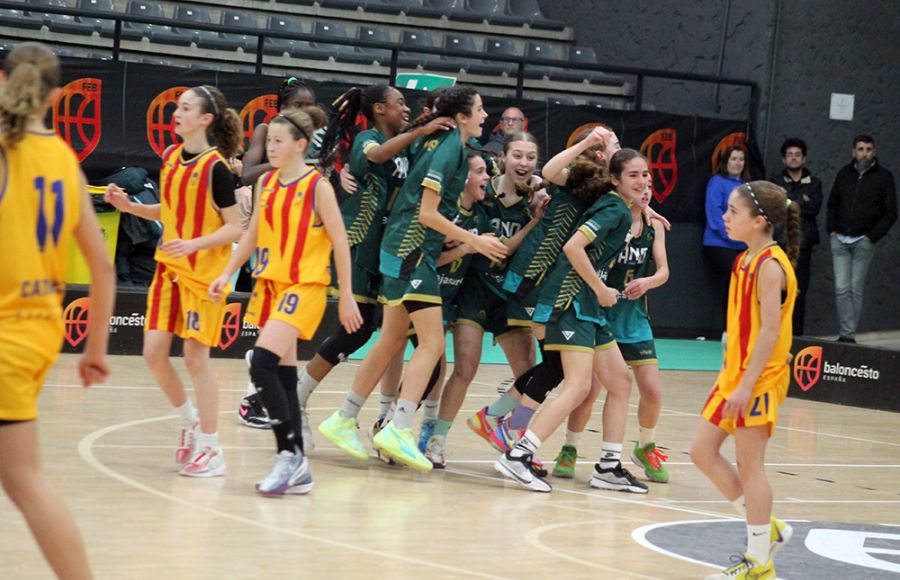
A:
(32, 71)
(458, 99)
(225, 131)
(342, 126)
(771, 202)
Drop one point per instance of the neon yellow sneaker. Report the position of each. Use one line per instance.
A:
(342, 432)
(780, 536)
(746, 568)
(400, 444)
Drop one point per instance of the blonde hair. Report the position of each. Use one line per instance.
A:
(32, 71)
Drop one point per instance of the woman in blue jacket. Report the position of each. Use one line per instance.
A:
(719, 249)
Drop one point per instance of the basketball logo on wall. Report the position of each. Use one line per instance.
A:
(808, 367)
(738, 138)
(231, 326)
(659, 149)
(583, 129)
(259, 110)
(76, 316)
(160, 126)
(76, 115)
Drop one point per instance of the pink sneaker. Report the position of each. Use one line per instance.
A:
(482, 424)
(207, 462)
(187, 444)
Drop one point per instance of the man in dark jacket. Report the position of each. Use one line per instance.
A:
(862, 208)
(806, 190)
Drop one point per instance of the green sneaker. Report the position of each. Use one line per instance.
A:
(650, 459)
(565, 462)
(400, 444)
(342, 432)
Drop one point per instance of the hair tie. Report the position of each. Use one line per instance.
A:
(209, 95)
(291, 121)
(762, 212)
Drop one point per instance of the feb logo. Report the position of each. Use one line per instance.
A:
(160, 126)
(659, 149)
(231, 326)
(76, 316)
(808, 367)
(738, 138)
(259, 110)
(76, 115)
(583, 130)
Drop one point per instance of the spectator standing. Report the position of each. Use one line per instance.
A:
(719, 249)
(512, 121)
(804, 189)
(862, 207)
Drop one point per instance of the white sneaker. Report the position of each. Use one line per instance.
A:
(206, 462)
(187, 444)
(306, 432)
(289, 475)
(434, 451)
(522, 471)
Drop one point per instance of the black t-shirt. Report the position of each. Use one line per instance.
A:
(222, 182)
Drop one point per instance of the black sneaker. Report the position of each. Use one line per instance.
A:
(252, 413)
(617, 479)
(522, 471)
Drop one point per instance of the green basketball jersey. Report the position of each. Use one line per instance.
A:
(507, 219)
(541, 248)
(365, 212)
(450, 276)
(629, 319)
(439, 165)
(606, 224)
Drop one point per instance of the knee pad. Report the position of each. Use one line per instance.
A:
(264, 375)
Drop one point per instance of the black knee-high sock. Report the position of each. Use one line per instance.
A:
(547, 377)
(288, 376)
(264, 374)
(432, 380)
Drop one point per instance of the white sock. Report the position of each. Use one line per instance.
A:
(758, 542)
(647, 435)
(187, 414)
(306, 385)
(430, 410)
(529, 443)
(387, 399)
(573, 437)
(740, 506)
(610, 455)
(390, 413)
(210, 440)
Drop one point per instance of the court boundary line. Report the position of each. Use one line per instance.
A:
(85, 450)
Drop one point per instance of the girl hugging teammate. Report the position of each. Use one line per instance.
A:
(411, 245)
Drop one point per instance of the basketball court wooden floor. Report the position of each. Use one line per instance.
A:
(108, 450)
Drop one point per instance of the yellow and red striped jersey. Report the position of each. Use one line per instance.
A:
(744, 323)
(292, 245)
(40, 205)
(189, 211)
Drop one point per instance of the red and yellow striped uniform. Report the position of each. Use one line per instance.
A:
(178, 300)
(292, 257)
(744, 323)
(40, 206)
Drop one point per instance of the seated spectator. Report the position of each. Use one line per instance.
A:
(511, 122)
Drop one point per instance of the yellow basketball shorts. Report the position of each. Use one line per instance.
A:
(182, 307)
(300, 305)
(24, 366)
(762, 410)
